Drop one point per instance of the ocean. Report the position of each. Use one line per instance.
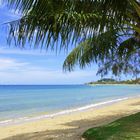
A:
(38, 101)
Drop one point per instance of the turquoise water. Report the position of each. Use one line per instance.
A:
(22, 101)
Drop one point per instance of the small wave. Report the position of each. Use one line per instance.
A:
(26, 119)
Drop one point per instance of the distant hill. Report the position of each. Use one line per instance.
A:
(113, 81)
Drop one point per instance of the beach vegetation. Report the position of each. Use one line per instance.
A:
(113, 81)
(126, 128)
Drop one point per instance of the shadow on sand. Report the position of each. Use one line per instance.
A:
(74, 133)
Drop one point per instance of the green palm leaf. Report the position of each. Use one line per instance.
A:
(101, 23)
(93, 50)
(63, 20)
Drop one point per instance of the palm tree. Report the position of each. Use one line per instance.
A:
(121, 48)
(108, 31)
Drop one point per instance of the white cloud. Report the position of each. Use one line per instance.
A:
(45, 77)
(10, 64)
(1, 2)
(15, 72)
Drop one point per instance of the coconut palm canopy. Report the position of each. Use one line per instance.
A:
(107, 31)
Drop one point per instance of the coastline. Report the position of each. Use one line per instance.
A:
(25, 119)
(113, 84)
(62, 121)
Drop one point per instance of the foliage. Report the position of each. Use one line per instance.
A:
(122, 45)
(113, 81)
(108, 31)
(126, 128)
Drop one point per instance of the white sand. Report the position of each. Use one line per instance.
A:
(69, 126)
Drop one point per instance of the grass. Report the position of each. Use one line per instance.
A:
(126, 128)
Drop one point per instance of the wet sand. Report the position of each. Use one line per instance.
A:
(69, 126)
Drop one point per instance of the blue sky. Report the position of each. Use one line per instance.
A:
(34, 66)
(30, 66)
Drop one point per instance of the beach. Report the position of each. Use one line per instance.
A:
(70, 126)
(70, 70)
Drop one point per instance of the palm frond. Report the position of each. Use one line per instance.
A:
(93, 50)
(128, 47)
(98, 22)
(136, 5)
(112, 55)
(50, 21)
(117, 66)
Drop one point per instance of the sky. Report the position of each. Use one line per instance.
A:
(33, 66)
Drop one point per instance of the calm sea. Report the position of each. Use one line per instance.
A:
(26, 101)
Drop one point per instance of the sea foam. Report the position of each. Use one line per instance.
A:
(27, 119)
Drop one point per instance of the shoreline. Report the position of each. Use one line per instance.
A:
(26, 119)
(70, 126)
(113, 84)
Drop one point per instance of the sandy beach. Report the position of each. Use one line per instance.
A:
(69, 126)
